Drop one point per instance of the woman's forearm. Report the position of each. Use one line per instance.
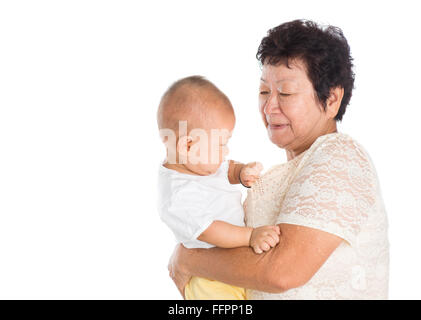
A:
(240, 267)
(300, 253)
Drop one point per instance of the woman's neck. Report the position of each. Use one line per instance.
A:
(292, 153)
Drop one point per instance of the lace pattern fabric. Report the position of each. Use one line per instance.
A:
(333, 187)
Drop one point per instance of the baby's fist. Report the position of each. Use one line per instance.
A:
(264, 238)
(250, 173)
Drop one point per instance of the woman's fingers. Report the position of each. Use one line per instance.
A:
(180, 279)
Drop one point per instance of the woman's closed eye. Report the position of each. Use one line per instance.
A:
(282, 94)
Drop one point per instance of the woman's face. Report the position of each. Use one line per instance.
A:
(289, 107)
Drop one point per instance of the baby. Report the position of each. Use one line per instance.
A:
(197, 199)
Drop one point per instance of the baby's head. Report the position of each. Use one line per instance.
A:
(195, 120)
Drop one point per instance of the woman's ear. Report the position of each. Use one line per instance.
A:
(334, 101)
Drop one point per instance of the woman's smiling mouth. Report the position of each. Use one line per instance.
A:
(277, 126)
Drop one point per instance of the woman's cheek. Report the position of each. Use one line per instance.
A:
(262, 114)
(262, 102)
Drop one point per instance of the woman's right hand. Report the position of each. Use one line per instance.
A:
(177, 273)
(264, 238)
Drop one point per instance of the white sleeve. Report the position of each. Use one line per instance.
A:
(187, 212)
(334, 191)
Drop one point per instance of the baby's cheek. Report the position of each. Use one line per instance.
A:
(224, 151)
(213, 168)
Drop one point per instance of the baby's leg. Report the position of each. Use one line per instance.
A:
(205, 289)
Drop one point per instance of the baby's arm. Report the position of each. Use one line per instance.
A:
(246, 174)
(226, 235)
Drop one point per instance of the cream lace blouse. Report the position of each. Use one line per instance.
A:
(333, 187)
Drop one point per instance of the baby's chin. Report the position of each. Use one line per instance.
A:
(208, 169)
(204, 169)
(213, 169)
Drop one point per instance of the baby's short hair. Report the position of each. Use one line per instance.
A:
(189, 99)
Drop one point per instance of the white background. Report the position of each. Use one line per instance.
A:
(80, 82)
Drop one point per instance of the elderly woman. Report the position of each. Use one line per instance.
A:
(326, 198)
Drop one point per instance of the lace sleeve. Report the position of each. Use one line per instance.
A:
(333, 191)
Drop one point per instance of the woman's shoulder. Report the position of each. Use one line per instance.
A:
(339, 140)
(338, 145)
(337, 153)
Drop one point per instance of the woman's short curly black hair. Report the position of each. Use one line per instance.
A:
(325, 52)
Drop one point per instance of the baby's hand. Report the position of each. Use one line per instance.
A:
(250, 173)
(264, 238)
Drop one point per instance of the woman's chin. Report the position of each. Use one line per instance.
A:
(278, 140)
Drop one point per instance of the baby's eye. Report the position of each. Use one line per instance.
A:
(264, 92)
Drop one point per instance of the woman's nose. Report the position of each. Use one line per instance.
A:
(272, 105)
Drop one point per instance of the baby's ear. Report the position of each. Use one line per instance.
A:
(183, 145)
(167, 136)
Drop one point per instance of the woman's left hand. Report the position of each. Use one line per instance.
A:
(177, 273)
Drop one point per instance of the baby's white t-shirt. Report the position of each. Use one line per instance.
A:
(189, 204)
